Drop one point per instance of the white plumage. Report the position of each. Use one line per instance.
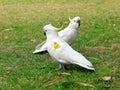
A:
(69, 35)
(62, 52)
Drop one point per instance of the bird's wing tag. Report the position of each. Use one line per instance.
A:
(56, 45)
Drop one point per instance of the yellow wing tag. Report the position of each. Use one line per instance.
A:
(56, 45)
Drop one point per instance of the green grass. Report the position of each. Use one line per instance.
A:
(21, 24)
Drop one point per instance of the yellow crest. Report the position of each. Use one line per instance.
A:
(56, 45)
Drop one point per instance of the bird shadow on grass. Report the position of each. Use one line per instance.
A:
(76, 68)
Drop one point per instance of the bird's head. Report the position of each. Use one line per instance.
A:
(75, 22)
(50, 29)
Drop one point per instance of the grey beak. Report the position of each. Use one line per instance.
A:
(78, 22)
(44, 33)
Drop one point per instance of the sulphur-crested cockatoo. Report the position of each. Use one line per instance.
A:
(69, 34)
(62, 52)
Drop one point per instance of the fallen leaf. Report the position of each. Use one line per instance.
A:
(56, 80)
(85, 84)
(108, 78)
(64, 73)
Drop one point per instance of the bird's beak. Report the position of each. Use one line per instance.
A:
(44, 33)
(78, 22)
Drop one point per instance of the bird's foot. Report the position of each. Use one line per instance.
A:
(63, 66)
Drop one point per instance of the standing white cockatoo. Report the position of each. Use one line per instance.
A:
(69, 35)
(62, 52)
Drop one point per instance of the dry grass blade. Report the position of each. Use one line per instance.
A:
(64, 73)
(56, 80)
(8, 29)
(85, 84)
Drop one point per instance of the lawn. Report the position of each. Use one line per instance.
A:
(21, 24)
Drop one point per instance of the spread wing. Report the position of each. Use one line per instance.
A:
(40, 48)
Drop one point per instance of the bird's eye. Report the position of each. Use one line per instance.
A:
(74, 21)
(45, 30)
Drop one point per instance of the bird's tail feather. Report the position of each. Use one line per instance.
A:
(89, 67)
